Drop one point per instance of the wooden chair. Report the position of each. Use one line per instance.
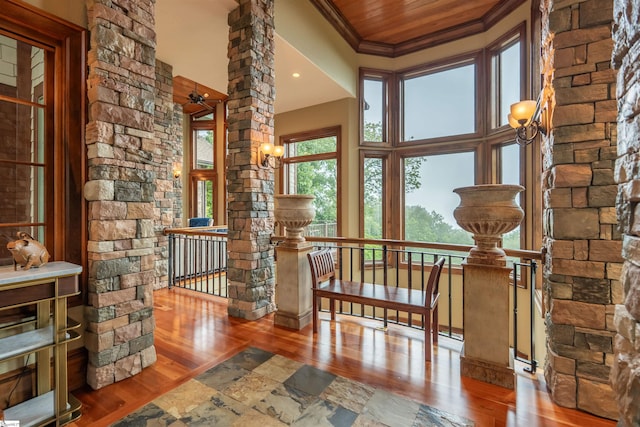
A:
(322, 269)
(431, 319)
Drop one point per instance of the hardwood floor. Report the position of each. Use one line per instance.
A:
(194, 333)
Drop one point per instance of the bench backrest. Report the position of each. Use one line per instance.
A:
(322, 266)
(433, 284)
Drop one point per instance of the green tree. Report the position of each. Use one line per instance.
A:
(373, 183)
(424, 226)
(318, 178)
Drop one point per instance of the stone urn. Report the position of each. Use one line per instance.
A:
(294, 212)
(488, 211)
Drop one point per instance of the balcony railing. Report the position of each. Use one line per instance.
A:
(197, 261)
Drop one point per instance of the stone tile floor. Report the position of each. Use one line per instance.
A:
(258, 388)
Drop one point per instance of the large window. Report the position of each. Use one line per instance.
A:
(439, 102)
(432, 128)
(429, 199)
(311, 166)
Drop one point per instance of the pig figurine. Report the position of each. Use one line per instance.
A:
(27, 252)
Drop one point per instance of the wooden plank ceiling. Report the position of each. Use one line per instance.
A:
(396, 27)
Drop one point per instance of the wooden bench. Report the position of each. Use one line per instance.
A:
(326, 285)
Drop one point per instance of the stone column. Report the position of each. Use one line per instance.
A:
(625, 374)
(293, 290)
(125, 172)
(582, 270)
(250, 187)
(486, 355)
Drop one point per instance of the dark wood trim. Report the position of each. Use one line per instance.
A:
(316, 134)
(515, 35)
(66, 45)
(195, 175)
(384, 156)
(360, 45)
(77, 361)
(500, 11)
(387, 79)
(339, 22)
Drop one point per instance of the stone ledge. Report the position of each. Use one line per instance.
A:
(488, 372)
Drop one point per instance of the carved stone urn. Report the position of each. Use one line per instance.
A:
(294, 212)
(488, 211)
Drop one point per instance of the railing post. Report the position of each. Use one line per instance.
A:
(293, 285)
(515, 309)
(532, 286)
(171, 260)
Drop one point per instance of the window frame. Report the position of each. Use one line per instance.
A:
(516, 35)
(471, 58)
(331, 131)
(197, 175)
(64, 128)
(384, 156)
(388, 106)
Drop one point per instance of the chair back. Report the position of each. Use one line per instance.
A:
(433, 284)
(322, 266)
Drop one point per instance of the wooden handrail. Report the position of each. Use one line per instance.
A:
(519, 253)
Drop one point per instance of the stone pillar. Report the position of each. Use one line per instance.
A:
(581, 273)
(293, 291)
(625, 374)
(487, 211)
(168, 130)
(125, 171)
(486, 355)
(250, 187)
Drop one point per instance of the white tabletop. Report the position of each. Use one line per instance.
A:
(51, 269)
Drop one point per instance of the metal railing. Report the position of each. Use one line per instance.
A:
(197, 261)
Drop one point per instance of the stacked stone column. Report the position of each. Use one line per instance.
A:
(168, 130)
(250, 187)
(125, 175)
(625, 375)
(582, 270)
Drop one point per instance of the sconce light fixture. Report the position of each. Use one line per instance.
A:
(271, 155)
(527, 119)
(177, 170)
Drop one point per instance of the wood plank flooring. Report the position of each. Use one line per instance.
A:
(194, 333)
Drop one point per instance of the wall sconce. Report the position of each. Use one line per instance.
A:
(271, 155)
(177, 170)
(527, 119)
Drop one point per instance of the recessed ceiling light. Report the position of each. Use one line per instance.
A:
(296, 75)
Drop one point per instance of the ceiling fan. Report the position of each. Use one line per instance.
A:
(197, 98)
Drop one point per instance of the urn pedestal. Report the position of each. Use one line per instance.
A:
(293, 276)
(487, 211)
